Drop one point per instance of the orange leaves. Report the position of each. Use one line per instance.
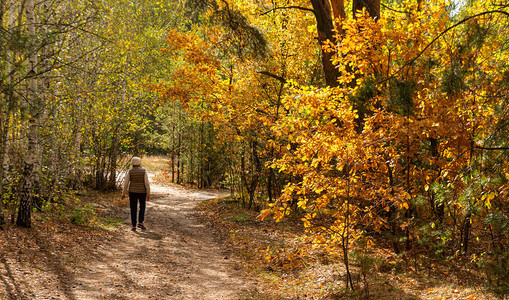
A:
(371, 152)
(194, 50)
(343, 170)
(419, 130)
(358, 49)
(177, 41)
(196, 75)
(263, 214)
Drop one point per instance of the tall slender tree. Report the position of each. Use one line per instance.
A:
(35, 109)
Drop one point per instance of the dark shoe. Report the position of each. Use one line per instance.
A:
(142, 226)
(133, 229)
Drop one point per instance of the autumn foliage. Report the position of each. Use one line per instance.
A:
(375, 124)
(408, 149)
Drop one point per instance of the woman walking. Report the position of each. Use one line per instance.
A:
(136, 183)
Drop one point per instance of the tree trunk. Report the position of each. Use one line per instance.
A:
(201, 155)
(372, 7)
(76, 171)
(44, 83)
(173, 154)
(242, 176)
(112, 176)
(3, 127)
(325, 28)
(465, 234)
(4, 144)
(6, 106)
(256, 172)
(345, 239)
(325, 13)
(408, 212)
(99, 170)
(391, 215)
(269, 184)
(338, 9)
(190, 176)
(29, 176)
(179, 158)
(438, 207)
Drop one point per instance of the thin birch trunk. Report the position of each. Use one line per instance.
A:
(116, 142)
(29, 169)
(4, 119)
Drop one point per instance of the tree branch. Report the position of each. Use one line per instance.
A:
(492, 148)
(394, 10)
(283, 80)
(288, 7)
(439, 36)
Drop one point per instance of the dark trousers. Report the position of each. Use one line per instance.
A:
(133, 201)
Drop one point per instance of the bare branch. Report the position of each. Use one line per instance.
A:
(492, 148)
(283, 80)
(289, 7)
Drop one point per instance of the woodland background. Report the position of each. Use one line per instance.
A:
(376, 124)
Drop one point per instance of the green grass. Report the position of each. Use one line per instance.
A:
(111, 223)
(240, 217)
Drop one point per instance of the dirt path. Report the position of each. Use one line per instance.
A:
(177, 257)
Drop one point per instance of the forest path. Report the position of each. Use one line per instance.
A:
(177, 257)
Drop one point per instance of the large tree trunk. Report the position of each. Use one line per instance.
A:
(31, 156)
(372, 7)
(325, 28)
(326, 13)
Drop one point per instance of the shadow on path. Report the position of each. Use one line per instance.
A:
(177, 257)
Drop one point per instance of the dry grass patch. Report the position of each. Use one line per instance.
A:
(155, 163)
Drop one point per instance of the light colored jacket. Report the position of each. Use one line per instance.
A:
(136, 181)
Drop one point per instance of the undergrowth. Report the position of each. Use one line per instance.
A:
(286, 265)
(87, 210)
